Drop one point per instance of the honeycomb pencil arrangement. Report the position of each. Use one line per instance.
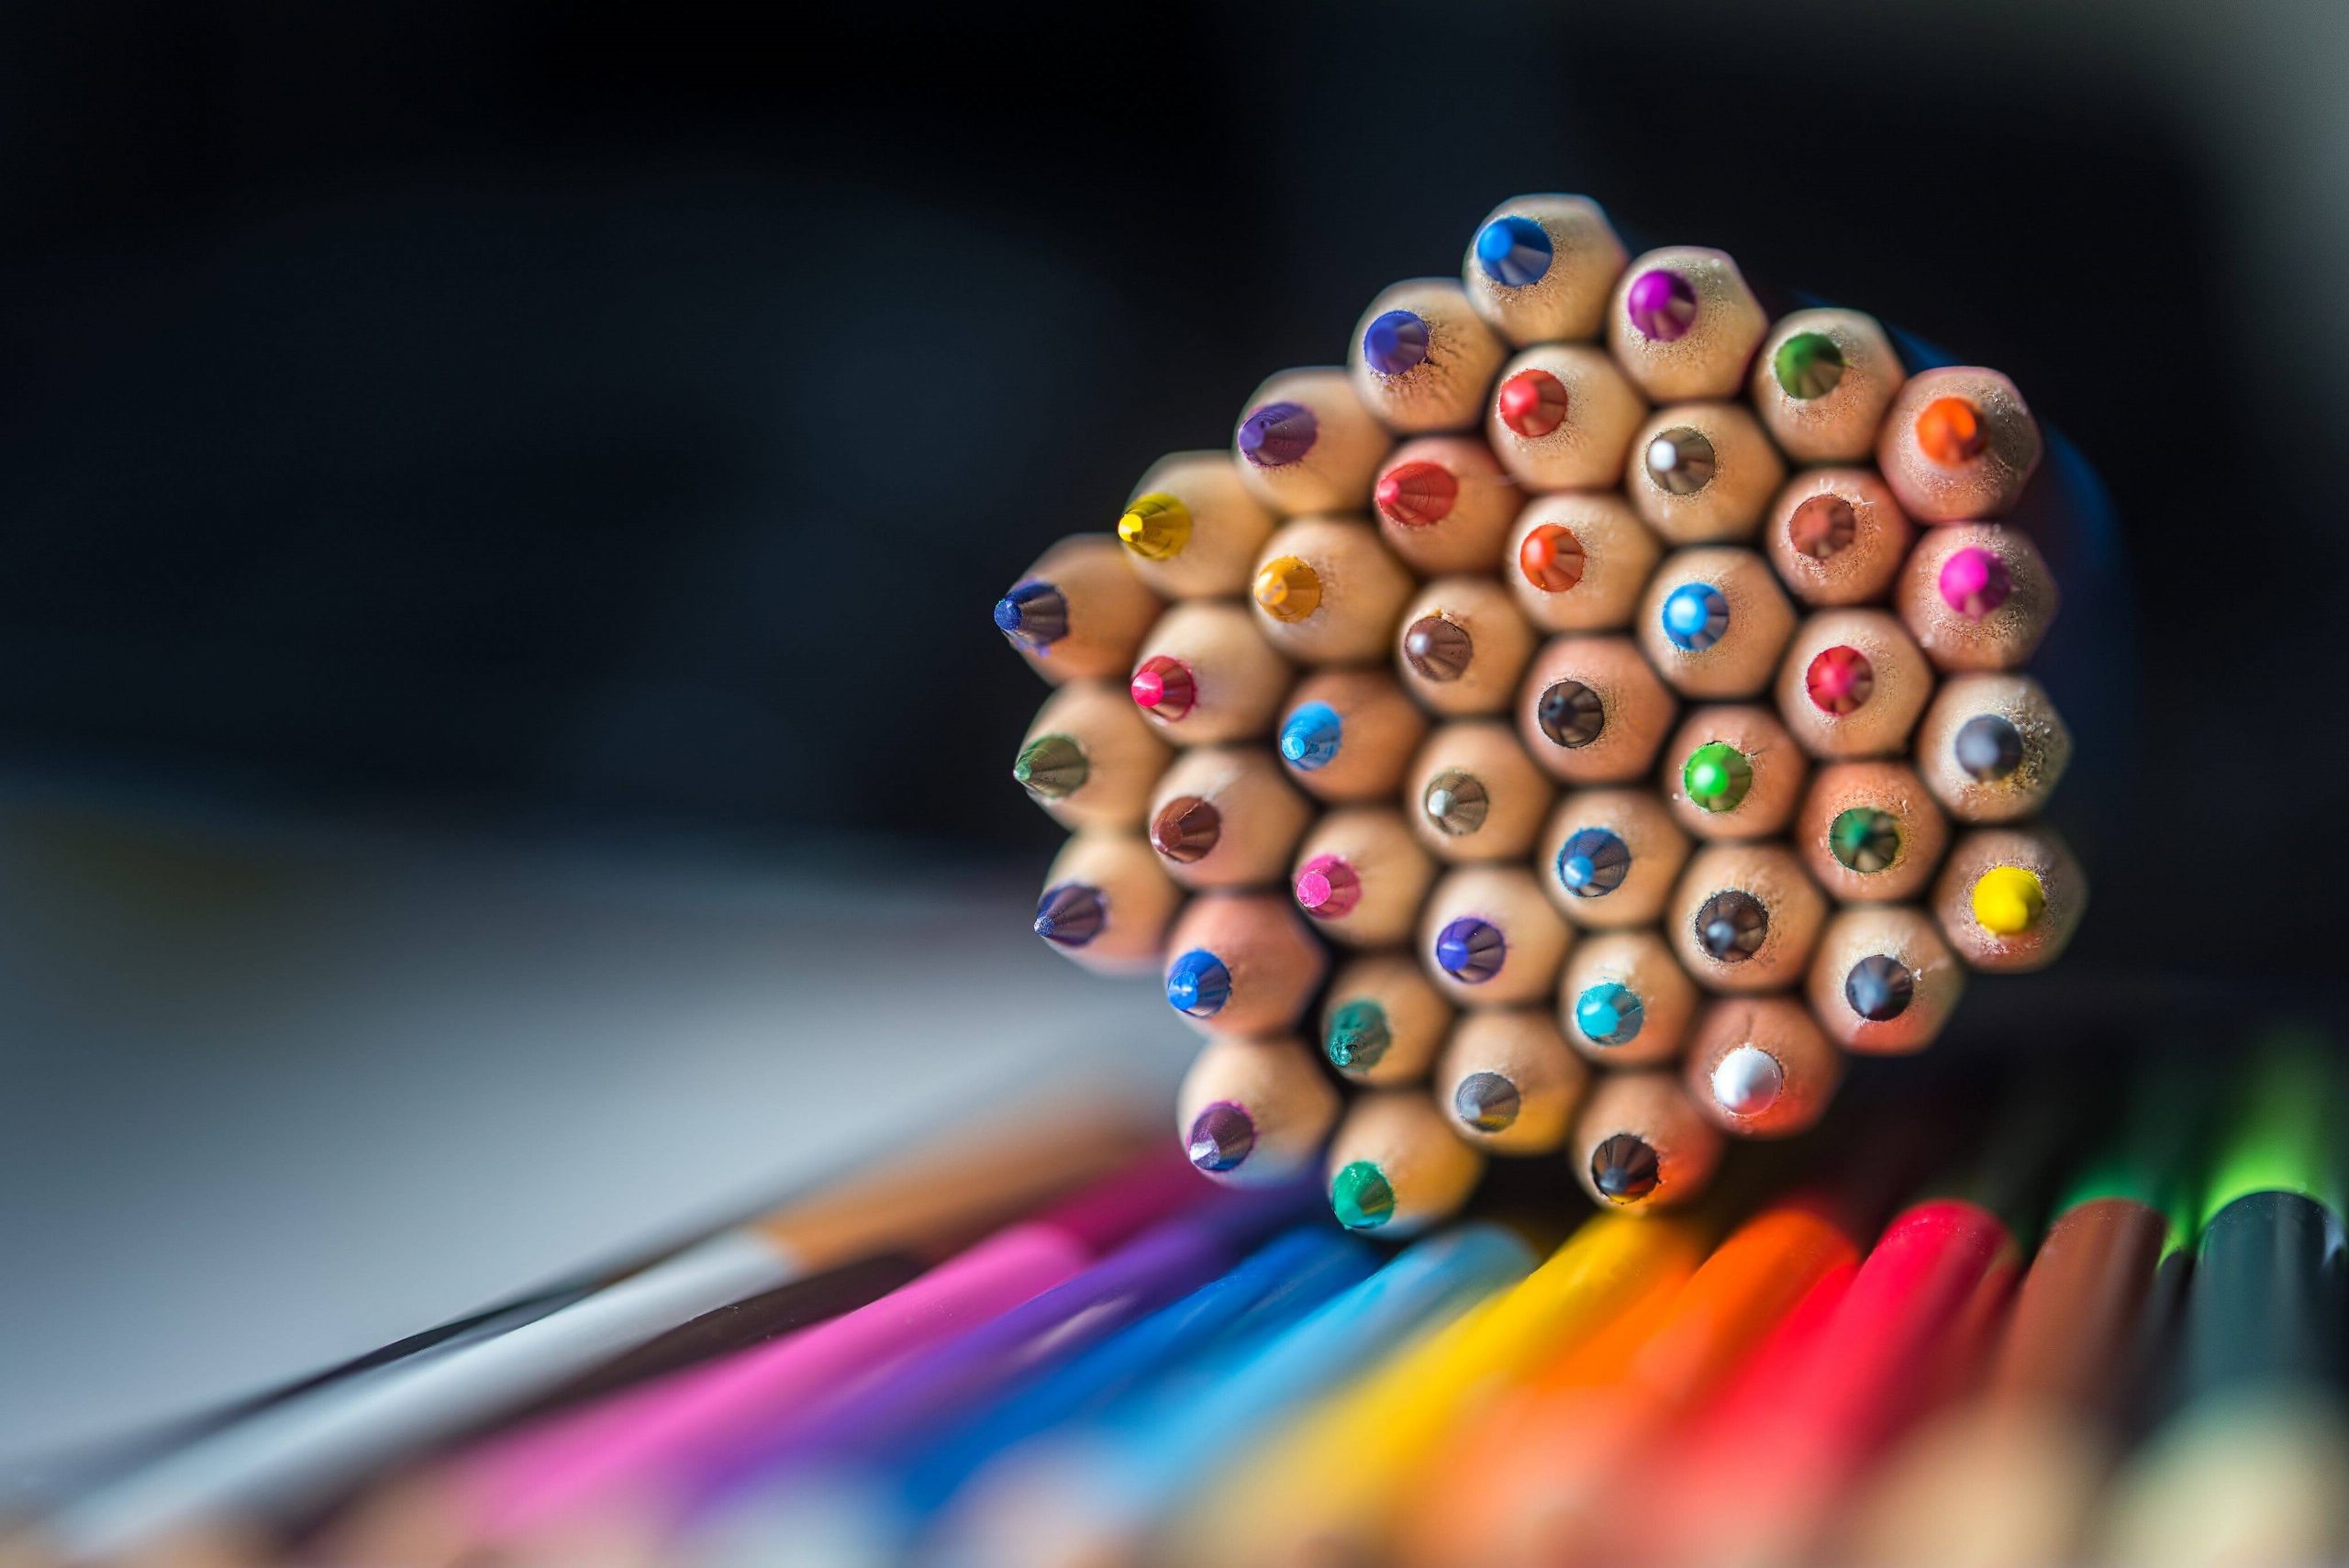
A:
(1564, 731)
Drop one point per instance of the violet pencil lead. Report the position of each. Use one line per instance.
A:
(1071, 915)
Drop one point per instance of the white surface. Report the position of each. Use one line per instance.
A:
(271, 1102)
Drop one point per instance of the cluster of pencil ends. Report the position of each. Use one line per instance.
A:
(1617, 679)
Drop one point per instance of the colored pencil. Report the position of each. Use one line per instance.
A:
(1444, 506)
(1282, 1282)
(1463, 647)
(1591, 711)
(1624, 1000)
(1884, 982)
(2252, 1477)
(1684, 325)
(306, 1450)
(1490, 939)
(1851, 685)
(1306, 444)
(2247, 1468)
(1822, 384)
(1193, 526)
(1992, 747)
(1107, 904)
(1641, 1144)
(1255, 1112)
(2009, 898)
(1079, 612)
(1474, 794)
(1383, 1020)
(1205, 675)
(1745, 918)
(1093, 1499)
(1510, 1081)
(1349, 735)
(1424, 1528)
(1577, 562)
(1732, 772)
(2013, 1476)
(1090, 759)
(1327, 1490)
(1327, 592)
(1527, 1484)
(1396, 1166)
(1757, 1481)
(1870, 832)
(1703, 473)
(1562, 417)
(531, 1480)
(1422, 358)
(1958, 446)
(1610, 856)
(1978, 596)
(1360, 876)
(2266, 1299)
(1837, 537)
(1226, 816)
(738, 1326)
(1242, 963)
(880, 1420)
(1714, 621)
(1760, 1067)
(1541, 268)
(880, 1509)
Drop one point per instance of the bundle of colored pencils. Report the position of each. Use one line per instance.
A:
(1535, 859)
(1969, 1344)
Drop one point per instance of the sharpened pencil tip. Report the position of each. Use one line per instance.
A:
(1514, 251)
(1328, 887)
(1487, 1102)
(1071, 915)
(1222, 1135)
(1050, 767)
(1471, 950)
(1395, 343)
(1417, 495)
(1197, 984)
(1624, 1168)
(1361, 1196)
(1747, 1081)
(1186, 830)
(1358, 1034)
(1278, 434)
(1310, 737)
(1033, 615)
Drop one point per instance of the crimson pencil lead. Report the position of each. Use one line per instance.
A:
(1070, 915)
(1415, 494)
(1163, 685)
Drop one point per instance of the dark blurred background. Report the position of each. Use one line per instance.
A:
(611, 423)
